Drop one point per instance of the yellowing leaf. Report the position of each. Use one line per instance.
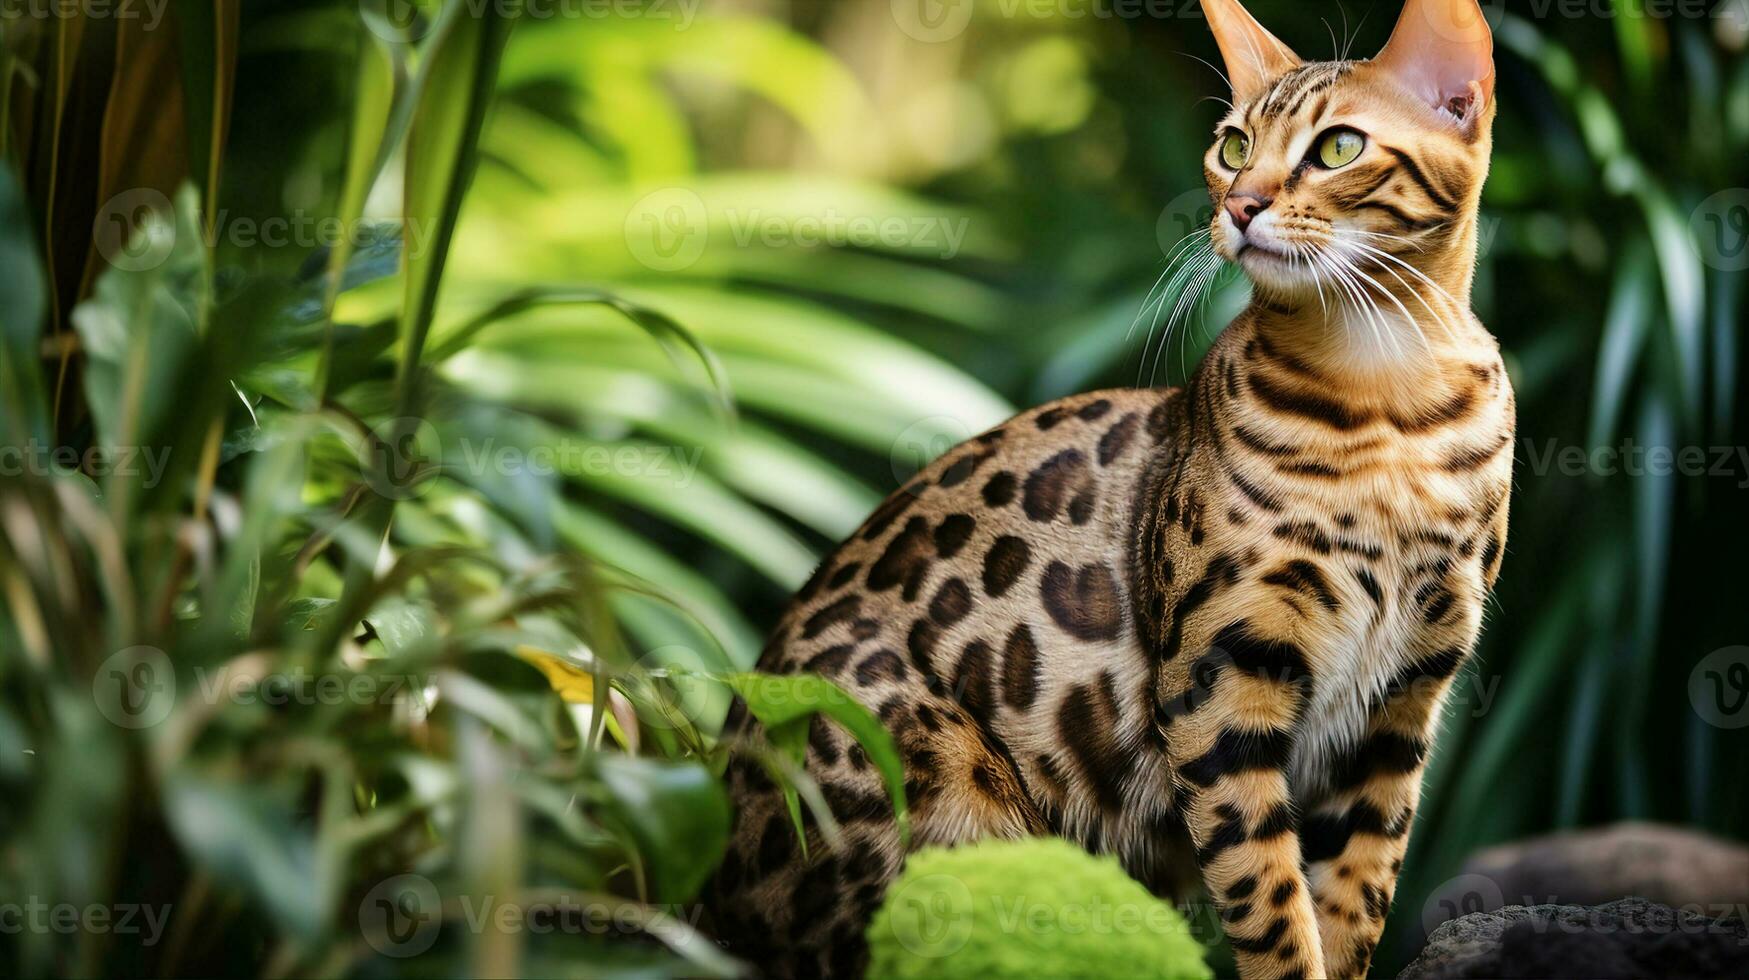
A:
(570, 681)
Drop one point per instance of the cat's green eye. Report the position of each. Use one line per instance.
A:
(1235, 150)
(1338, 149)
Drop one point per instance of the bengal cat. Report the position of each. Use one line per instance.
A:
(1205, 629)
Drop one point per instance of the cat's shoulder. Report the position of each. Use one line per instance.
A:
(1059, 477)
(1093, 431)
(1044, 465)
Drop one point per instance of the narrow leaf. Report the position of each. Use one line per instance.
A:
(780, 701)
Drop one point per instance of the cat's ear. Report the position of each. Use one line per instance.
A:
(1443, 51)
(1253, 55)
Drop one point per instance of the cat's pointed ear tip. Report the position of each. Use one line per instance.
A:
(1253, 56)
(1457, 24)
(1444, 49)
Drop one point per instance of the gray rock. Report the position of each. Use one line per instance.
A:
(1674, 866)
(1630, 938)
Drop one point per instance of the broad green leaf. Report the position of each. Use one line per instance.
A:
(373, 101)
(748, 457)
(677, 812)
(457, 78)
(784, 704)
(612, 543)
(404, 625)
(672, 336)
(247, 835)
(1684, 296)
(791, 71)
(137, 329)
(1624, 336)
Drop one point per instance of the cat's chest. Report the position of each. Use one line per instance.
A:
(1399, 539)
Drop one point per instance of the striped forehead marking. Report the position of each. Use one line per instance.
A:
(1289, 93)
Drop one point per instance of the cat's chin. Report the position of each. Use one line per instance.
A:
(1279, 275)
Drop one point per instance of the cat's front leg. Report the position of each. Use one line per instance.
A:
(1230, 737)
(1355, 836)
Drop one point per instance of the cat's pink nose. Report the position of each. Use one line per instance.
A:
(1243, 207)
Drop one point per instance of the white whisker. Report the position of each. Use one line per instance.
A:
(1435, 314)
(1180, 264)
(1357, 271)
(1187, 298)
(1417, 246)
(1217, 71)
(1363, 304)
(1417, 273)
(1187, 302)
(1179, 282)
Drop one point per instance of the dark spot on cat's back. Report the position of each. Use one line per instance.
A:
(1056, 482)
(1004, 563)
(1084, 601)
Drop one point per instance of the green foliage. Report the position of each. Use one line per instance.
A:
(583, 239)
(785, 707)
(1029, 908)
(286, 665)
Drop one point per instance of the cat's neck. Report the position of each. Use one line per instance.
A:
(1396, 320)
(1404, 348)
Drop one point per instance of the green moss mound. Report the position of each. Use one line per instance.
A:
(1031, 908)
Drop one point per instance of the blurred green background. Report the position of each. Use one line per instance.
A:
(636, 309)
